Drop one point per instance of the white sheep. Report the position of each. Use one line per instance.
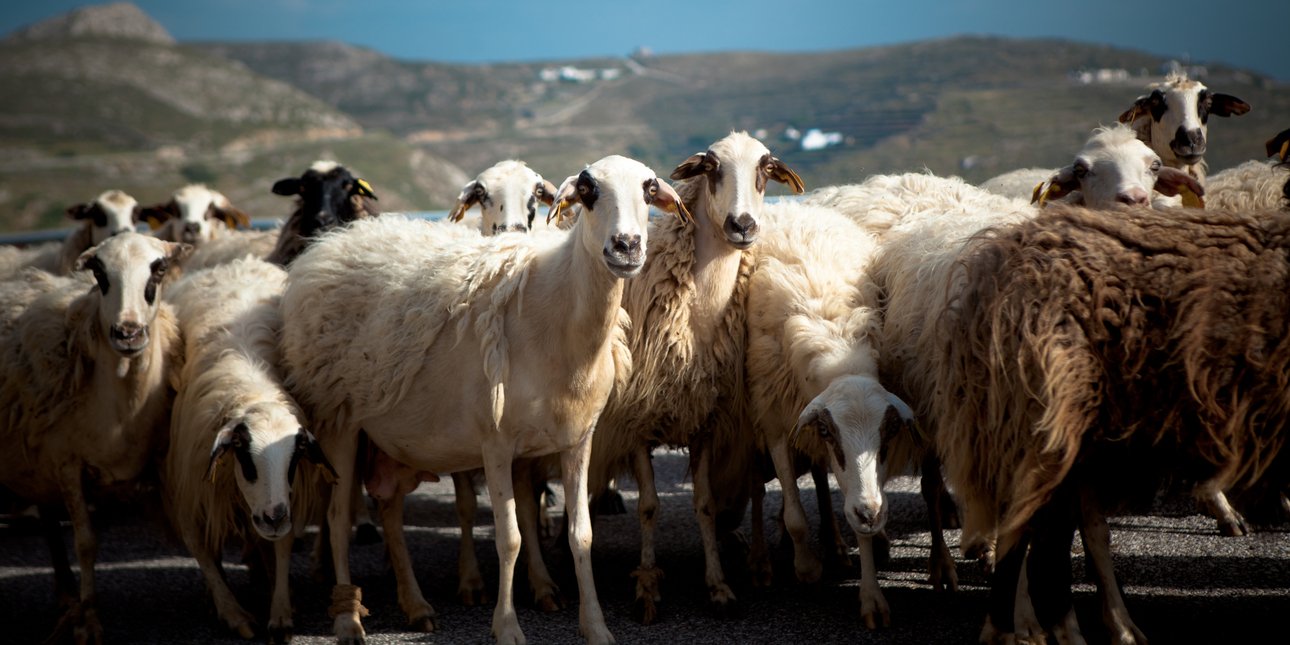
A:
(190, 214)
(449, 351)
(884, 201)
(1255, 185)
(687, 342)
(87, 385)
(1113, 167)
(110, 213)
(232, 245)
(1174, 120)
(231, 403)
(507, 194)
(813, 324)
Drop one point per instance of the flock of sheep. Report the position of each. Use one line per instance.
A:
(1015, 343)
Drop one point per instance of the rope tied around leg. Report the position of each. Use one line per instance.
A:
(347, 599)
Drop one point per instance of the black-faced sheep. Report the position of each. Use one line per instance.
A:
(1089, 354)
(813, 323)
(87, 384)
(329, 196)
(1174, 120)
(194, 215)
(392, 324)
(687, 343)
(236, 436)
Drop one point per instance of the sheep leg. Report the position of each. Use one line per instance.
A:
(227, 607)
(1214, 500)
(366, 528)
(648, 574)
(1097, 548)
(87, 628)
(64, 582)
(873, 605)
(497, 469)
(759, 565)
(347, 600)
(1048, 567)
(719, 593)
(470, 584)
(1000, 622)
(574, 463)
(419, 612)
(546, 595)
(280, 623)
(837, 558)
(805, 564)
(942, 572)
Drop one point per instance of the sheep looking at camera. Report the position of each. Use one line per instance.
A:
(507, 194)
(1174, 120)
(194, 215)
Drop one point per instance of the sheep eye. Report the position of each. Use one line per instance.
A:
(824, 432)
(1081, 171)
(538, 190)
(770, 168)
(1155, 166)
(709, 167)
(653, 188)
(582, 189)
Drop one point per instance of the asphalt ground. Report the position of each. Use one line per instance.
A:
(1183, 582)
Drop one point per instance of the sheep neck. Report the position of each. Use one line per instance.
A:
(584, 288)
(716, 270)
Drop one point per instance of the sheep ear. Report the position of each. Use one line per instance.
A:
(287, 187)
(1227, 105)
(780, 172)
(470, 195)
(1153, 104)
(1172, 181)
(1279, 146)
(697, 164)
(79, 211)
(1062, 183)
(232, 217)
(564, 198)
(361, 187)
(84, 258)
(667, 199)
(157, 215)
(176, 251)
(230, 437)
(545, 192)
(307, 448)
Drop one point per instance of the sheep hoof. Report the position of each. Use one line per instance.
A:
(474, 596)
(761, 570)
(810, 571)
(874, 611)
(280, 635)
(88, 631)
(550, 602)
(1233, 527)
(610, 503)
(367, 534)
(422, 623)
(645, 610)
(723, 600)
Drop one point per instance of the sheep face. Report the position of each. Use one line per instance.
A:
(1179, 111)
(194, 212)
(736, 170)
(1115, 168)
(507, 195)
(110, 213)
(328, 195)
(616, 194)
(128, 269)
(266, 443)
(851, 418)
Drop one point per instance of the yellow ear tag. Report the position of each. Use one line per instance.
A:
(1285, 149)
(153, 223)
(366, 188)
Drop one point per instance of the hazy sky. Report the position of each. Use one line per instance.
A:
(1252, 34)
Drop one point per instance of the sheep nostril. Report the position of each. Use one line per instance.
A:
(626, 244)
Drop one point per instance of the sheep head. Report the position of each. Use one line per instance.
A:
(735, 171)
(128, 270)
(1115, 168)
(851, 420)
(1174, 118)
(110, 213)
(266, 443)
(193, 209)
(615, 194)
(507, 194)
(330, 196)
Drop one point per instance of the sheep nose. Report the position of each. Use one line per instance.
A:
(623, 244)
(867, 515)
(275, 516)
(127, 330)
(1188, 143)
(1133, 197)
(518, 228)
(743, 227)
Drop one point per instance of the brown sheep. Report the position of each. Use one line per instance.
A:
(1092, 353)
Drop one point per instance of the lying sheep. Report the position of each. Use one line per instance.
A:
(687, 344)
(231, 403)
(1174, 121)
(813, 324)
(87, 385)
(329, 195)
(1158, 348)
(1112, 168)
(191, 214)
(507, 194)
(392, 324)
(110, 213)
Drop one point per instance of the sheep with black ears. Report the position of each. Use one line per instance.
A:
(687, 343)
(110, 213)
(391, 323)
(329, 195)
(236, 435)
(194, 215)
(813, 324)
(87, 383)
(1174, 121)
(507, 194)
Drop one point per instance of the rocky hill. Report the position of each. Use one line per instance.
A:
(121, 20)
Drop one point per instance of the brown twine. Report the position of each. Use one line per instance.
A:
(347, 599)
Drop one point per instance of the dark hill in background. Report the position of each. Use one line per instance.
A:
(115, 105)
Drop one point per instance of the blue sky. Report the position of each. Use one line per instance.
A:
(1251, 34)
